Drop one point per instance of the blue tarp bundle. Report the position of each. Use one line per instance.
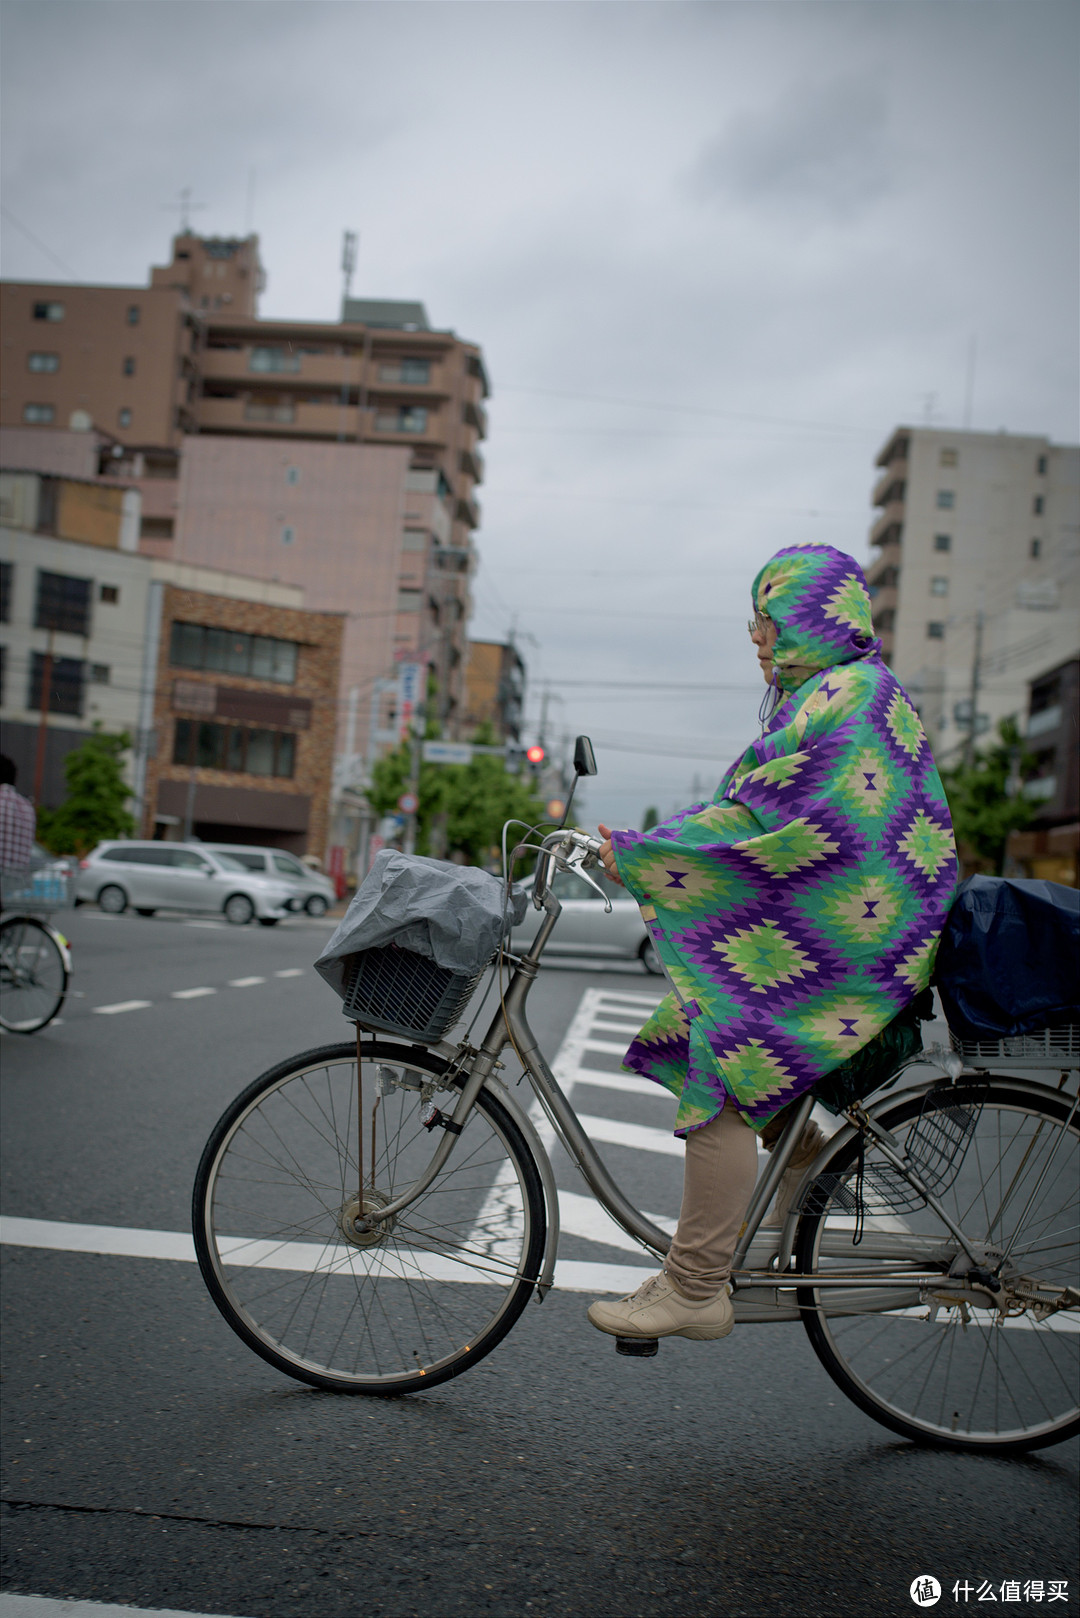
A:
(1008, 959)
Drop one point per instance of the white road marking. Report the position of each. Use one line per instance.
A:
(12, 1606)
(217, 925)
(583, 1216)
(343, 1259)
(626, 1082)
(642, 1139)
(244, 983)
(290, 972)
(121, 1005)
(191, 994)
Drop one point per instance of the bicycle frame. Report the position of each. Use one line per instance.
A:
(762, 1259)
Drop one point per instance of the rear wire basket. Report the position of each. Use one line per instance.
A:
(1054, 1047)
(396, 991)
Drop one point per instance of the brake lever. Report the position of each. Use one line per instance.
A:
(585, 877)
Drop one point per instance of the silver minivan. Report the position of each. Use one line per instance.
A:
(311, 890)
(151, 876)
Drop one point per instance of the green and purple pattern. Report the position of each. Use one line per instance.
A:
(800, 910)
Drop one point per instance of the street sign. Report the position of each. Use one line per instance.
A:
(408, 803)
(447, 753)
(409, 693)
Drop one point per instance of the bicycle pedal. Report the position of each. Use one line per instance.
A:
(638, 1348)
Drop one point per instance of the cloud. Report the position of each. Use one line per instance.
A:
(818, 150)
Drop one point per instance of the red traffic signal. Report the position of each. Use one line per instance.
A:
(535, 755)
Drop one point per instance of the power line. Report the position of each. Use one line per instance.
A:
(38, 243)
(688, 410)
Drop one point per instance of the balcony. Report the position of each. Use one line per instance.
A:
(883, 573)
(235, 365)
(474, 415)
(406, 425)
(895, 472)
(283, 419)
(471, 463)
(889, 526)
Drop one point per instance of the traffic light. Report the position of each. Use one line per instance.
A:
(535, 756)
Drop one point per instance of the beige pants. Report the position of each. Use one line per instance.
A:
(718, 1182)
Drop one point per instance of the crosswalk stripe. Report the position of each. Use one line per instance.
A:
(615, 1133)
(626, 1082)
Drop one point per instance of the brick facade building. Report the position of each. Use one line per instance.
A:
(245, 716)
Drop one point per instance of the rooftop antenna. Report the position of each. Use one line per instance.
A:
(186, 207)
(929, 408)
(969, 382)
(348, 263)
(250, 222)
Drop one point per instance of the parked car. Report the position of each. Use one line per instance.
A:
(585, 927)
(179, 876)
(315, 891)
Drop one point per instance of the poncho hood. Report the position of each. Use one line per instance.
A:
(818, 599)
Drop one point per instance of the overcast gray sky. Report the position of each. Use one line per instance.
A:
(713, 254)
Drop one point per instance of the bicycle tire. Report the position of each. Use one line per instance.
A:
(33, 975)
(278, 1184)
(972, 1380)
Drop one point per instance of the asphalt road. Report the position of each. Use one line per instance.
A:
(151, 1459)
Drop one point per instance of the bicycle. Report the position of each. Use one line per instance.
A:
(35, 957)
(931, 1251)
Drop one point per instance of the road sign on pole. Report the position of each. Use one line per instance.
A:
(448, 752)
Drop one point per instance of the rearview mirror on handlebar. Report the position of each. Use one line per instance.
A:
(584, 757)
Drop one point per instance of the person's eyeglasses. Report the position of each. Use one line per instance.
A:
(760, 623)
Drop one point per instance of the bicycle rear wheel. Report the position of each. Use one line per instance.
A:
(278, 1190)
(33, 975)
(1004, 1163)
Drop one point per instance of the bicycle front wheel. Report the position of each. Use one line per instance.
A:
(33, 975)
(938, 1365)
(280, 1188)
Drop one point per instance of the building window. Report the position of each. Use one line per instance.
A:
(110, 593)
(949, 457)
(123, 418)
(48, 505)
(43, 362)
(410, 600)
(156, 528)
(7, 574)
(243, 750)
(1037, 505)
(48, 311)
(946, 499)
(38, 415)
(943, 542)
(414, 539)
(274, 360)
(271, 407)
(100, 674)
(65, 684)
(1040, 466)
(128, 367)
(133, 314)
(885, 620)
(292, 474)
(226, 651)
(405, 419)
(417, 371)
(288, 534)
(63, 603)
(1035, 548)
(935, 631)
(939, 586)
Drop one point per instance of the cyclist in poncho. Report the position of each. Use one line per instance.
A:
(796, 915)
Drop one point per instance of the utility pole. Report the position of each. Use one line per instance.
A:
(348, 265)
(976, 671)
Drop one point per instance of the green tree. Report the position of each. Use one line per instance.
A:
(984, 797)
(96, 796)
(465, 805)
(652, 818)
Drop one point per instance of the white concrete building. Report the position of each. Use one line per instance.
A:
(977, 578)
(79, 609)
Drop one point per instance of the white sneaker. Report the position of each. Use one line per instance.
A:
(657, 1310)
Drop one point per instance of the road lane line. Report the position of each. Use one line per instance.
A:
(290, 972)
(13, 1606)
(121, 1005)
(190, 994)
(217, 925)
(244, 983)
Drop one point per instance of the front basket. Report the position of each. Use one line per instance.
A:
(396, 991)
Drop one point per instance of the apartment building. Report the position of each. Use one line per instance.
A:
(976, 581)
(226, 685)
(190, 397)
(1049, 846)
(494, 689)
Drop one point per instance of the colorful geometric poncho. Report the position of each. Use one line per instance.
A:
(798, 912)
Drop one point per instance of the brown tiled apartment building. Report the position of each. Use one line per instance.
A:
(343, 456)
(244, 718)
